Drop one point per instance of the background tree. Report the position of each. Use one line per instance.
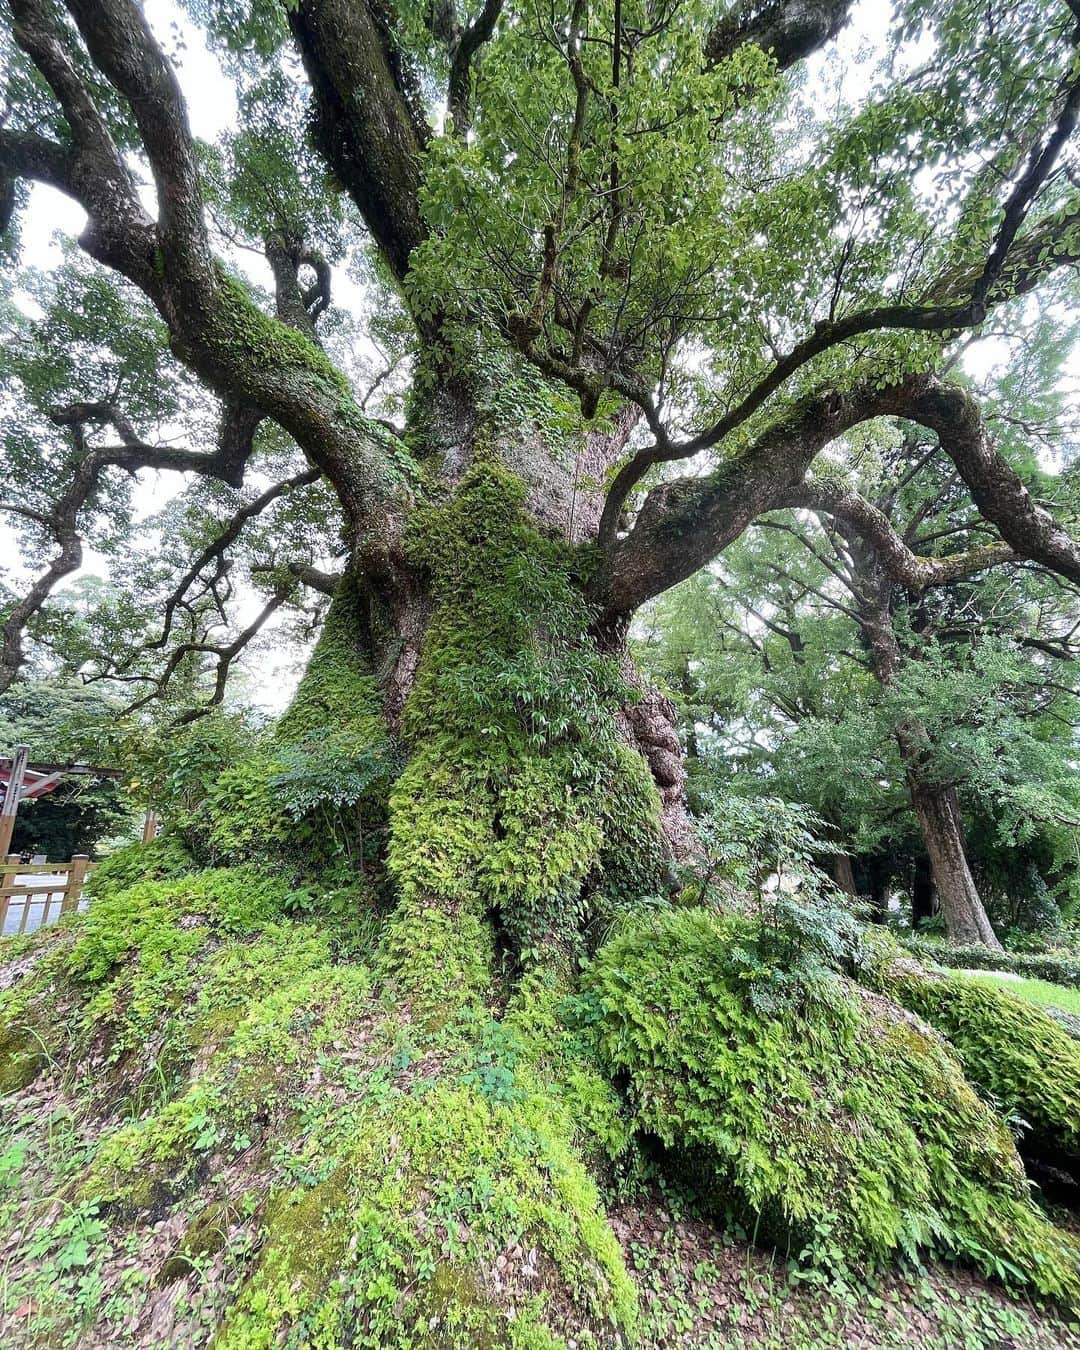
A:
(967, 662)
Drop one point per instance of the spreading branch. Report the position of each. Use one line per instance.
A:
(790, 30)
(1012, 267)
(62, 519)
(686, 522)
(213, 326)
(904, 567)
(374, 141)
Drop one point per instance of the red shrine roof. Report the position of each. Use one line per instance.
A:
(40, 779)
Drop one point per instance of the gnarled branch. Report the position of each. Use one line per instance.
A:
(686, 522)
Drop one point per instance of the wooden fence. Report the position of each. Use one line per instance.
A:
(35, 894)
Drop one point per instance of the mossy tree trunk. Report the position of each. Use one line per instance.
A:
(542, 782)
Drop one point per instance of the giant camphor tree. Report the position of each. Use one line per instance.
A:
(640, 270)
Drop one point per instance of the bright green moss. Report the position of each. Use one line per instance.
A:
(542, 1014)
(1013, 1052)
(337, 687)
(204, 1236)
(437, 1183)
(275, 345)
(23, 1055)
(518, 785)
(245, 816)
(234, 900)
(326, 767)
(250, 1083)
(153, 976)
(841, 1129)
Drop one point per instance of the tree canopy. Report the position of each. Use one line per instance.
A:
(707, 248)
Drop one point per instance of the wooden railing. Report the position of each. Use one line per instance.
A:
(35, 894)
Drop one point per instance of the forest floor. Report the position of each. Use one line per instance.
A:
(700, 1288)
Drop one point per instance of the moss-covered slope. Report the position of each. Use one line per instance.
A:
(843, 1128)
(1016, 1054)
(327, 1171)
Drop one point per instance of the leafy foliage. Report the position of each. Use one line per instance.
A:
(767, 852)
(842, 1130)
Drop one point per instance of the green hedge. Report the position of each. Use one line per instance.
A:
(1064, 970)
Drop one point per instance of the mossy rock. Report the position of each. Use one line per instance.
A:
(842, 1128)
(1016, 1054)
(22, 1057)
(203, 1238)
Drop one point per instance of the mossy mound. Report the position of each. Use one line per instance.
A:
(1015, 1053)
(841, 1129)
(312, 792)
(254, 1143)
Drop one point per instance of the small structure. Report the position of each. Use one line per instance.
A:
(21, 780)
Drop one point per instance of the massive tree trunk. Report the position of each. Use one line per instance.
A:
(542, 786)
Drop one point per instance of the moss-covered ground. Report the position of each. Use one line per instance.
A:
(225, 1129)
(388, 1043)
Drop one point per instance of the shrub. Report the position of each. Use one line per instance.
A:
(843, 1129)
(1036, 966)
(161, 859)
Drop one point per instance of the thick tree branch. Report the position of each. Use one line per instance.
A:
(464, 47)
(1011, 268)
(903, 566)
(994, 484)
(370, 126)
(119, 231)
(26, 155)
(214, 327)
(326, 583)
(686, 522)
(790, 30)
(123, 48)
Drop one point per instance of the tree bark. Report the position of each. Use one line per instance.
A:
(935, 804)
(843, 873)
(939, 817)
